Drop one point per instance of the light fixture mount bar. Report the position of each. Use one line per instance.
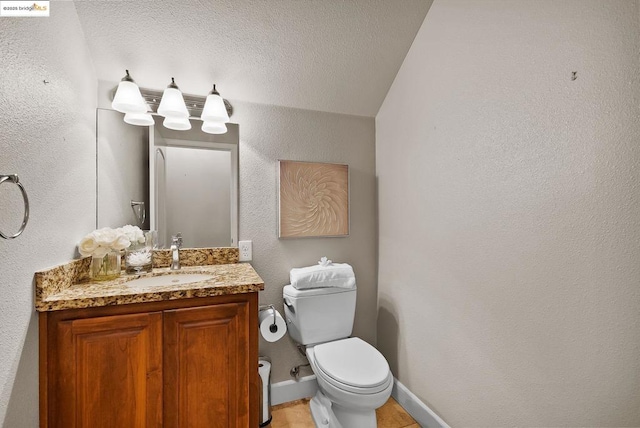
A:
(194, 103)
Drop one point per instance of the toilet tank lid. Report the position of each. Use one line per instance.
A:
(290, 291)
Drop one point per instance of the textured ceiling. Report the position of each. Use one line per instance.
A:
(329, 55)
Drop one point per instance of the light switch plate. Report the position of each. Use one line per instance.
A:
(245, 250)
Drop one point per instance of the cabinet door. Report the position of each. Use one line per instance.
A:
(108, 372)
(206, 366)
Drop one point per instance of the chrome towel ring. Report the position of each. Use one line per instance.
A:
(13, 178)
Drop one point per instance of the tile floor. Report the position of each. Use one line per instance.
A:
(296, 414)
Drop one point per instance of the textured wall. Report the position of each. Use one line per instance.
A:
(509, 221)
(269, 133)
(48, 138)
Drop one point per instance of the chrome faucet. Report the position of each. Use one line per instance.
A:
(176, 244)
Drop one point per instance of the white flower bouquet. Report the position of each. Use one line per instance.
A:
(105, 245)
(101, 241)
(133, 233)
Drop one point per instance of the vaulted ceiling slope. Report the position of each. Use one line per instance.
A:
(338, 56)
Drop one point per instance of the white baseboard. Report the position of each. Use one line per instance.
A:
(419, 411)
(291, 390)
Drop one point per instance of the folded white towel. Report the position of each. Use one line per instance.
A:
(324, 274)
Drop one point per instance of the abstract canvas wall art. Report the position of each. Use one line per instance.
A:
(313, 199)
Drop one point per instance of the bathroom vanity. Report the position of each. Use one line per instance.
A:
(133, 353)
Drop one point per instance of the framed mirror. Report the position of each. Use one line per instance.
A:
(170, 181)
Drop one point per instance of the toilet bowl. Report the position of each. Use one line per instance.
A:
(353, 377)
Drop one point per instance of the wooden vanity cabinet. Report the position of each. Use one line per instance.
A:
(182, 363)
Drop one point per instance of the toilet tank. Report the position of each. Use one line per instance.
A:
(319, 315)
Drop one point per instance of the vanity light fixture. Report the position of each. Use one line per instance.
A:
(177, 123)
(128, 98)
(139, 119)
(214, 114)
(176, 107)
(214, 109)
(172, 103)
(214, 127)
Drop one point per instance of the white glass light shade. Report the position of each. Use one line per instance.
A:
(214, 110)
(177, 123)
(172, 104)
(214, 127)
(139, 119)
(128, 98)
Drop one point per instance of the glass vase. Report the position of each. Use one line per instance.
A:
(107, 267)
(138, 257)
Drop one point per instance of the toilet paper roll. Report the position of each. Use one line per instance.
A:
(268, 330)
(264, 370)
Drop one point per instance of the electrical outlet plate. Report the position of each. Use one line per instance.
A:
(245, 251)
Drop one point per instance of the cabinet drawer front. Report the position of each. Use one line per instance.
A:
(108, 372)
(206, 365)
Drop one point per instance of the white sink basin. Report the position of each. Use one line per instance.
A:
(170, 279)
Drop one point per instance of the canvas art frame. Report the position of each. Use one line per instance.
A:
(313, 199)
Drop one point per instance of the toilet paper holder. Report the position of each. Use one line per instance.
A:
(273, 327)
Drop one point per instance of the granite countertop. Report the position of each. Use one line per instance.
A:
(68, 286)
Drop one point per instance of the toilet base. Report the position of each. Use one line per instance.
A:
(355, 417)
(326, 414)
(322, 412)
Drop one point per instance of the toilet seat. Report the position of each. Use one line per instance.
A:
(352, 365)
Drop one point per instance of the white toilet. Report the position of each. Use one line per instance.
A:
(353, 377)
